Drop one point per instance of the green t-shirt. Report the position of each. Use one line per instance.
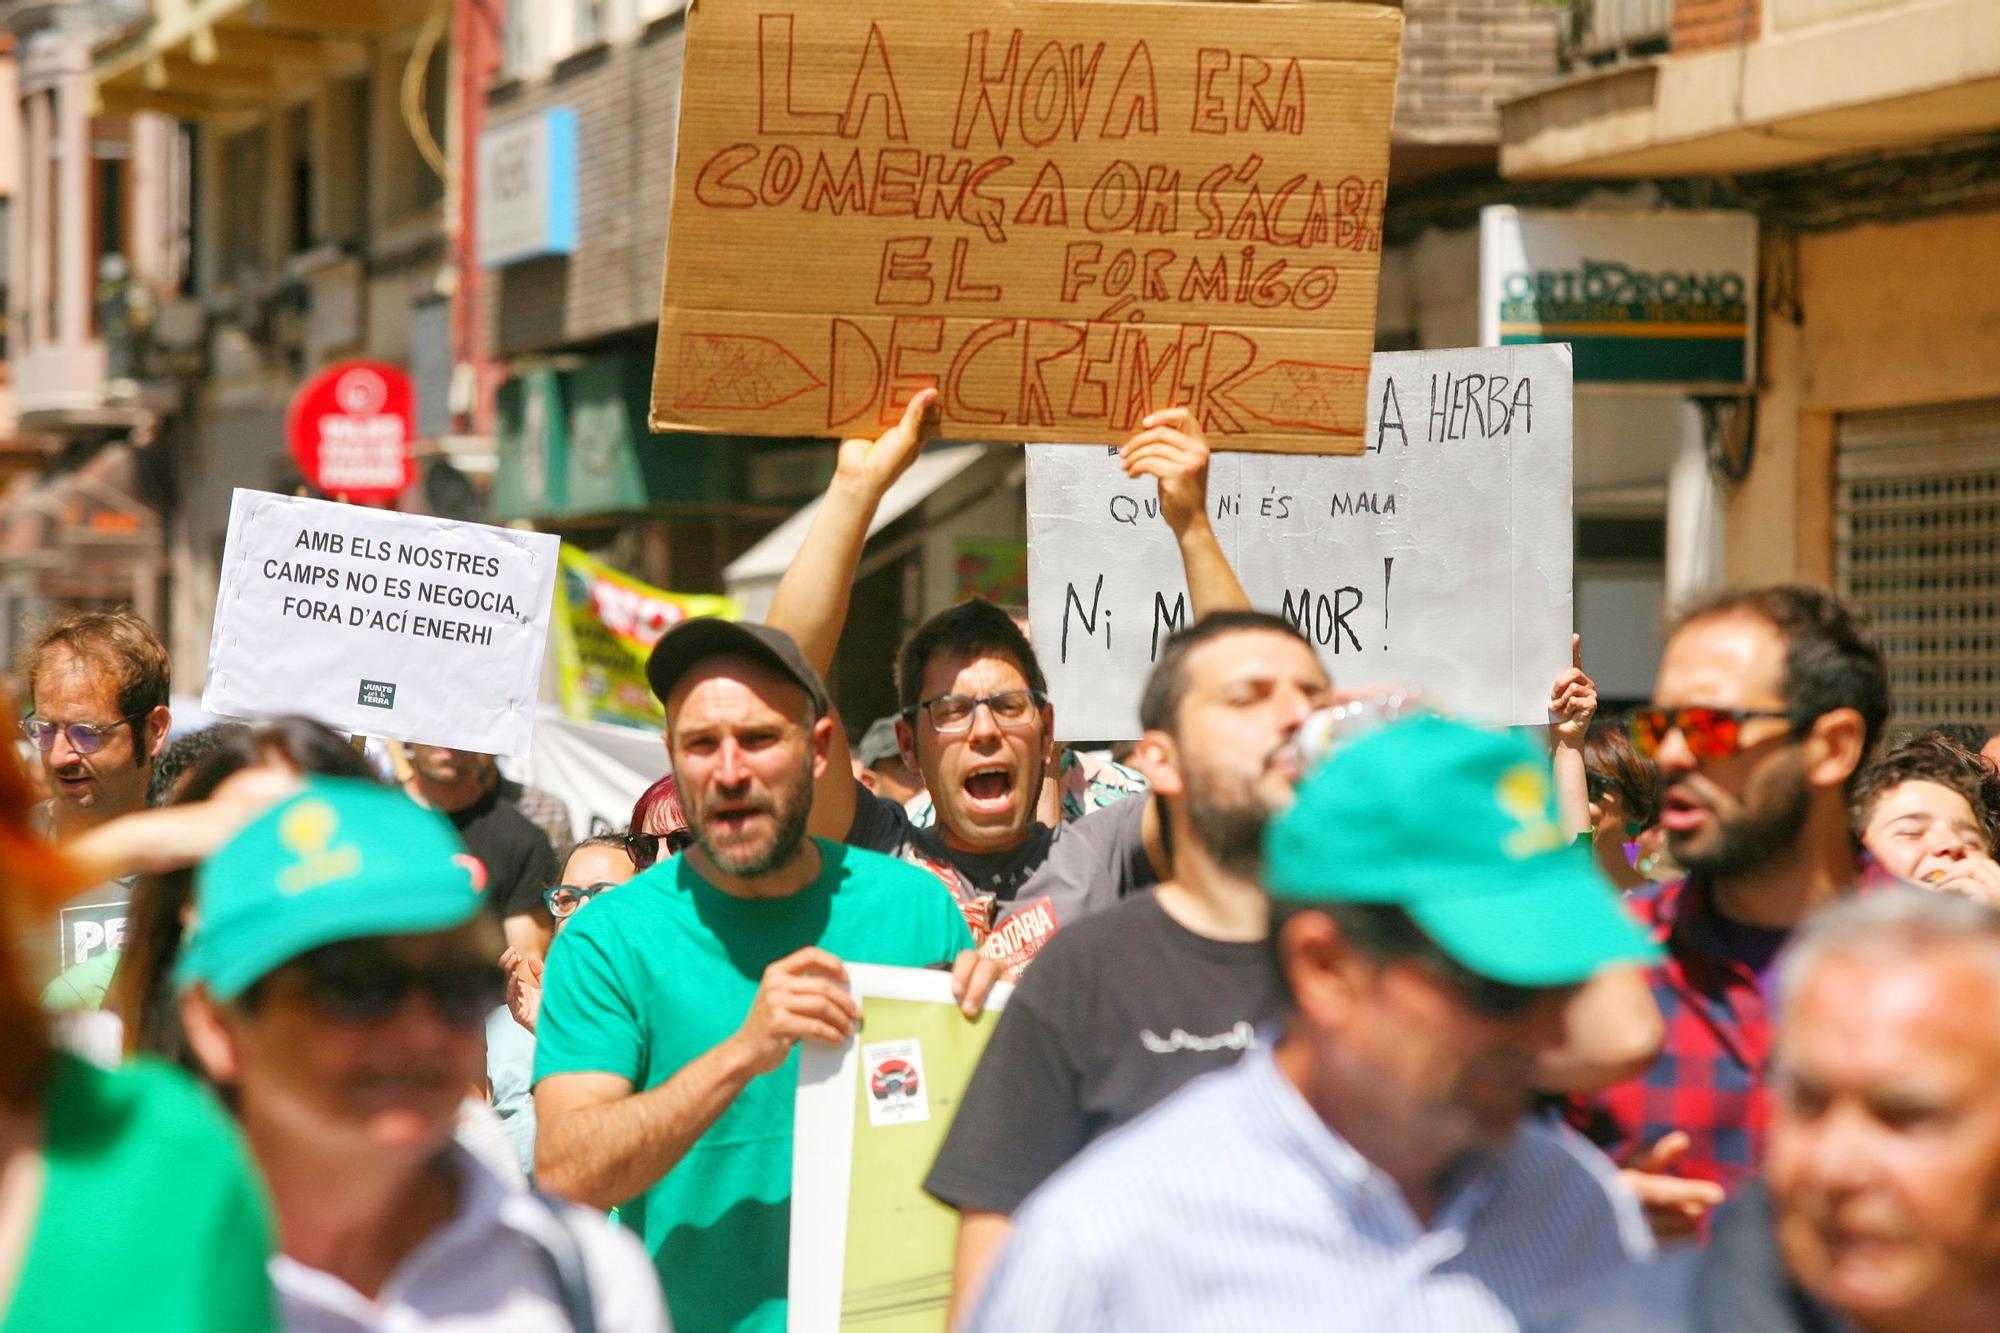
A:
(151, 1217)
(650, 977)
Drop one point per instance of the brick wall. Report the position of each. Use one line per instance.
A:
(1461, 58)
(627, 103)
(1701, 25)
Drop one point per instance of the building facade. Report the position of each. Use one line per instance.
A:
(1864, 135)
(317, 137)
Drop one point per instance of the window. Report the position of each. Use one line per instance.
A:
(298, 125)
(240, 247)
(518, 39)
(590, 16)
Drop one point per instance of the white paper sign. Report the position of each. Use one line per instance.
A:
(1440, 558)
(380, 623)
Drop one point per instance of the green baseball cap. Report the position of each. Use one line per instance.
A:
(342, 860)
(1458, 827)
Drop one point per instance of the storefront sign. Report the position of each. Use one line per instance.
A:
(527, 188)
(1440, 558)
(1064, 214)
(606, 625)
(395, 625)
(350, 428)
(1642, 298)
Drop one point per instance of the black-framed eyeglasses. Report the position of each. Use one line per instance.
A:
(644, 848)
(360, 982)
(565, 900)
(83, 737)
(953, 712)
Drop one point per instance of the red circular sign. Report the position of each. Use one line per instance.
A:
(350, 428)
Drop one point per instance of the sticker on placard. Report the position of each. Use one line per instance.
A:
(896, 1091)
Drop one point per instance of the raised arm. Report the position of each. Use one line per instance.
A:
(600, 1143)
(811, 601)
(1173, 449)
(1572, 705)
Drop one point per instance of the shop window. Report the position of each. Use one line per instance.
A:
(240, 246)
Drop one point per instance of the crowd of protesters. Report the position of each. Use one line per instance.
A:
(1329, 1011)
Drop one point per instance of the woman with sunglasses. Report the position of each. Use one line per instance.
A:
(134, 1174)
(339, 979)
(1624, 789)
(659, 826)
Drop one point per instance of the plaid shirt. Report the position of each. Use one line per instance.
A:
(1709, 1079)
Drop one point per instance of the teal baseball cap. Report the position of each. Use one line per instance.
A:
(1459, 828)
(341, 860)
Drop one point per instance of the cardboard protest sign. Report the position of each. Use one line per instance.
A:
(605, 627)
(1441, 558)
(386, 624)
(1064, 214)
(870, 1249)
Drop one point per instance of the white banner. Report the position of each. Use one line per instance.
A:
(380, 623)
(1440, 558)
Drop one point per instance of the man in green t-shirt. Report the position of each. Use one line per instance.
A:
(666, 1053)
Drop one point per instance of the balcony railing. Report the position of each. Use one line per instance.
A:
(1600, 29)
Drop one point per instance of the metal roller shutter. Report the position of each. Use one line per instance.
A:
(1917, 545)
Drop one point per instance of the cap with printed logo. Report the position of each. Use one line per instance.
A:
(343, 859)
(1459, 828)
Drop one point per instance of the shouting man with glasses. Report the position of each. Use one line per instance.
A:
(1766, 705)
(339, 979)
(97, 685)
(974, 715)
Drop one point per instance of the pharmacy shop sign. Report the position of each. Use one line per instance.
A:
(1663, 298)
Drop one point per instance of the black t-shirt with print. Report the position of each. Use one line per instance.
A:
(1120, 1009)
(519, 860)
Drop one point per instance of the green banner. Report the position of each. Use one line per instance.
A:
(606, 623)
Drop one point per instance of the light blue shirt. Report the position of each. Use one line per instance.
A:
(1232, 1205)
(510, 1066)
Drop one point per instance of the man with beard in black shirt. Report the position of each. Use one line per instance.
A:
(518, 858)
(1127, 1004)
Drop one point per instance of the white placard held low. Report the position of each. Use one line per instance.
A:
(1439, 558)
(385, 624)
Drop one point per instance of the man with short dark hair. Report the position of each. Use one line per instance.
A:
(1766, 705)
(97, 685)
(666, 1047)
(519, 859)
(975, 709)
(1376, 1167)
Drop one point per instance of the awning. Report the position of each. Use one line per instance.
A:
(752, 578)
(198, 58)
(1813, 89)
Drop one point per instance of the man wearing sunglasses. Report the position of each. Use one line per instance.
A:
(1766, 704)
(338, 982)
(97, 686)
(974, 715)
(1374, 1167)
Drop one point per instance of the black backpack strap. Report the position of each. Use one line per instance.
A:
(565, 1258)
